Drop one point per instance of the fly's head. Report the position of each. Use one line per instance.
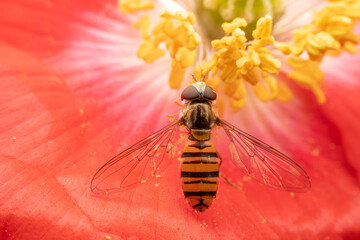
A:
(199, 92)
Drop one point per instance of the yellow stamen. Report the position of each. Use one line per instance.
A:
(307, 73)
(149, 51)
(283, 47)
(318, 44)
(263, 28)
(185, 57)
(273, 86)
(330, 34)
(176, 75)
(176, 31)
(131, 6)
(214, 83)
(284, 93)
(268, 91)
(220, 106)
(237, 61)
(237, 99)
(236, 23)
(144, 25)
(261, 92)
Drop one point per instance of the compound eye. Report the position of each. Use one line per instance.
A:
(190, 93)
(209, 93)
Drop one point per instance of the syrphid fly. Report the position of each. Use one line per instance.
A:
(199, 160)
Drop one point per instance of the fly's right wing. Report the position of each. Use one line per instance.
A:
(137, 164)
(264, 163)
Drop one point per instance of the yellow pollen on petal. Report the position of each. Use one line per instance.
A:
(131, 6)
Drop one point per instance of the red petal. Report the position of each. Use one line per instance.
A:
(35, 206)
(72, 96)
(342, 107)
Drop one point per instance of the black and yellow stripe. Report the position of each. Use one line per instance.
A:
(199, 174)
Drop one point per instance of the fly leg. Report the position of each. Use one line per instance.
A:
(174, 116)
(179, 104)
(224, 177)
(220, 159)
(229, 181)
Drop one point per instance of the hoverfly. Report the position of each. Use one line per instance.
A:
(200, 160)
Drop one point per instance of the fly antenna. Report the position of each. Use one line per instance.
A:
(202, 78)
(193, 76)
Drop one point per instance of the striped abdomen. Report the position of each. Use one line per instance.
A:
(199, 173)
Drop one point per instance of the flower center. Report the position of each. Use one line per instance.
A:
(213, 13)
(243, 47)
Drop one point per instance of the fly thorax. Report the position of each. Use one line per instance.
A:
(199, 115)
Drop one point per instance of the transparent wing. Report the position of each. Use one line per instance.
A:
(264, 163)
(137, 164)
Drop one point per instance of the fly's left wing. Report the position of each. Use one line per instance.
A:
(264, 163)
(137, 164)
